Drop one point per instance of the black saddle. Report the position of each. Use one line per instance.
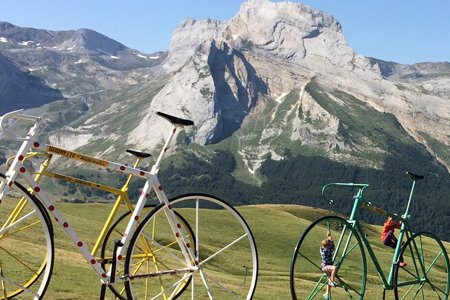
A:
(175, 120)
(415, 176)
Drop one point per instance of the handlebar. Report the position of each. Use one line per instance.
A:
(361, 186)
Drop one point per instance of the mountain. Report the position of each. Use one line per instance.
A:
(74, 62)
(27, 91)
(281, 105)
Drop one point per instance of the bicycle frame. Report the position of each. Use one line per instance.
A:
(405, 231)
(121, 193)
(17, 168)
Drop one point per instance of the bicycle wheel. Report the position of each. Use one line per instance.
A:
(26, 244)
(225, 265)
(308, 281)
(116, 232)
(426, 275)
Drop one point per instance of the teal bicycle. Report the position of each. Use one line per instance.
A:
(426, 275)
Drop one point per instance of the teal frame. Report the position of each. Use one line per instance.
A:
(404, 232)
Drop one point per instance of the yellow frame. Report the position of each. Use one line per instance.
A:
(122, 193)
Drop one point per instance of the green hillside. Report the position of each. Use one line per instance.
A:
(276, 229)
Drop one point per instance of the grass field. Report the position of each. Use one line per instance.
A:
(276, 229)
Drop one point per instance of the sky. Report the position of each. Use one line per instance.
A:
(403, 31)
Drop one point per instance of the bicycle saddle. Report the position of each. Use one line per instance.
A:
(138, 154)
(414, 176)
(175, 120)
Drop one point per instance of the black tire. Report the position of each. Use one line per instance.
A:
(225, 253)
(308, 281)
(426, 275)
(26, 244)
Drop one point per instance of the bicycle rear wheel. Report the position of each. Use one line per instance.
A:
(308, 281)
(225, 264)
(426, 275)
(26, 244)
(116, 232)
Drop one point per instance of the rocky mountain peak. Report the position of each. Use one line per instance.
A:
(264, 12)
(285, 30)
(289, 30)
(187, 37)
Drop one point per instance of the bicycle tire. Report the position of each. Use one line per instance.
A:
(426, 275)
(226, 260)
(308, 281)
(26, 244)
(118, 228)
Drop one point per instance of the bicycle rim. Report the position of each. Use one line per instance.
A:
(26, 245)
(426, 275)
(225, 264)
(308, 281)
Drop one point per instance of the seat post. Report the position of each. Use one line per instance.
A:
(414, 178)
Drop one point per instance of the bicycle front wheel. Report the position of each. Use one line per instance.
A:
(308, 281)
(225, 265)
(426, 274)
(26, 244)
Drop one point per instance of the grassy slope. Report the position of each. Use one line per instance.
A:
(276, 229)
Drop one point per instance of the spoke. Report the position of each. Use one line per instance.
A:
(433, 262)
(420, 289)
(313, 263)
(193, 288)
(161, 247)
(411, 273)
(205, 283)
(18, 222)
(227, 290)
(197, 235)
(24, 228)
(317, 289)
(420, 253)
(223, 249)
(407, 292)
(174, 287)
(436, 289)
(410, 289)
(146, 281)
(350, 250)
(19, 261)
(3, 279)
(177, 285)
(413, 252)
(3, 282)
(343, 256)
(345, 285)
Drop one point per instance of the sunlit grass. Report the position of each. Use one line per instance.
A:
(276, 229)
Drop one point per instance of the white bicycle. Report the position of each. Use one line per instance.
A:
(194, 246)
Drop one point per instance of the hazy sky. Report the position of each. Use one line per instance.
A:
(404, 31)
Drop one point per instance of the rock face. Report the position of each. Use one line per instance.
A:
(228, 72)
(275, 76)
(27, 91)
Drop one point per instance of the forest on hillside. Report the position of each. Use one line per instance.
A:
(299, 180)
